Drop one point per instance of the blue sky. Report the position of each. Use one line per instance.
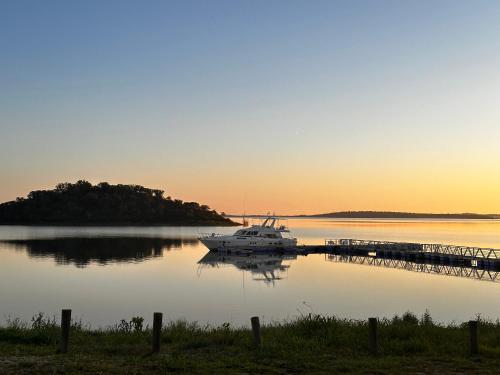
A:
(226, 101)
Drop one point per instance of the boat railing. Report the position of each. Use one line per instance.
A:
(207, 235)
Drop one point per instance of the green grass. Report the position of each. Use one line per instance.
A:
(309, 345)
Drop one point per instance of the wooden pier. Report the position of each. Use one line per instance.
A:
(465, 256)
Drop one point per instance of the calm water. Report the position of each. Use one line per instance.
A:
(106, 274)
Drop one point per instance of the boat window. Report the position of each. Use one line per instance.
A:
(271, 235)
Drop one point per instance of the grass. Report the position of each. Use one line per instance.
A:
(309, 345)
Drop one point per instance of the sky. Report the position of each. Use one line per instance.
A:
(283, 106)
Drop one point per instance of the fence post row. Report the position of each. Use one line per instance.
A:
(157, 327)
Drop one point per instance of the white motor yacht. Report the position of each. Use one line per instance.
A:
(269, 236)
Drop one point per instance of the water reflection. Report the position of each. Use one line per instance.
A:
(81, 251)
(271, 267)
(439, 269)
(263, 267)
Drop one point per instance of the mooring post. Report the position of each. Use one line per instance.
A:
(372, 330)
(157, 325)
(65, 326)
(474, 348)
(256, 330)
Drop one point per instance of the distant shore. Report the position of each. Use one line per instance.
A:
(387, 215)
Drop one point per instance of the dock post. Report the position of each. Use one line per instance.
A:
(157, 325)
(65, 327)
(256, 331)
(372, 329)
(474, 348)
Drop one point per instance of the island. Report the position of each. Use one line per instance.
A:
(82, 203)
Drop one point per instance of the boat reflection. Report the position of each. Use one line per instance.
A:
(82, 251)
(268, 267)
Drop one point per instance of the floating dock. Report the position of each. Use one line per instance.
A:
(464, 256)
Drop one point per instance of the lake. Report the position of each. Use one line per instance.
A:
(106, 274)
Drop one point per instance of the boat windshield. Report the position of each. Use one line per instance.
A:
(243, 232)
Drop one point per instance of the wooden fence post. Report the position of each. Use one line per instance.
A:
(474, 348)
(372, 329)
(256, 330)
(157, 325)
(65, 327)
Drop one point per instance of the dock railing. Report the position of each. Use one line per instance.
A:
(453, 250)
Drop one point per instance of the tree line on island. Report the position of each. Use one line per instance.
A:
(83, 203)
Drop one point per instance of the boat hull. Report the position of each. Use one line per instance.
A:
(227, 243)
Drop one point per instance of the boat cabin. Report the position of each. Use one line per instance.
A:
(267, 230)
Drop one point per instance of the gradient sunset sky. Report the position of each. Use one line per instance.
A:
(285, 106)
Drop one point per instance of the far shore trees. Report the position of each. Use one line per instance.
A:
(83, 203)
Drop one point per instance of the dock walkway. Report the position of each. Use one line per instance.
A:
(482, 258)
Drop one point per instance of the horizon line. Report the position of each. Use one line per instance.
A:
(367, 212)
